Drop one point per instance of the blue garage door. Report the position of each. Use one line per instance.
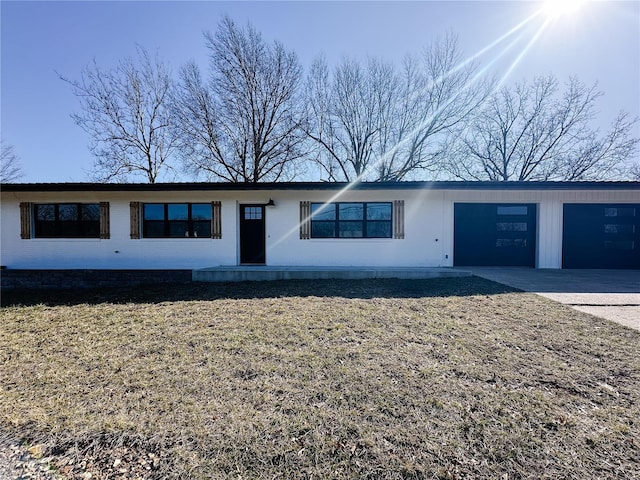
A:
(494, 234)
(601, 236)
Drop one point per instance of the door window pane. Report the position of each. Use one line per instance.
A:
(619, 228)
(512, 210)
(511, 226)
(252, 213)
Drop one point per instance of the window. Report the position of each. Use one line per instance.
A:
(512, 210)
(252, 213)
(176, 220)
(67, 220)
(511, 226)
(511, 242)
(619, 244)
(619, 228)
(351, 220)
(619, 212)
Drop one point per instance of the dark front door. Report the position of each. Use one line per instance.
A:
(492, 234)
(252, 241)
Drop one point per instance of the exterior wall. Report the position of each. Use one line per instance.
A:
(428, 229)
(423, 224)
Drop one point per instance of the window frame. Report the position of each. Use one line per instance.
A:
(166, 222)
(60, 227)
(337, 222)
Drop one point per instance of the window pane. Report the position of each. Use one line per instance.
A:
(46, 213)
(252, 213)
(200, 211)
(619, 228)
(91, 212)
(511, 226)
(351, 211)
(378, 211)
(177, 211)
(90, 229)
(67, 212)
(620, 212)
(202, 229)
(512, 210)
(511, 242)
(323, 229)
(69, 229)
(178, 229)
(619, 244)
(45, 229)
(350, 229)
(153, 211)
(323, 211)
(379, 229)
(154, 229)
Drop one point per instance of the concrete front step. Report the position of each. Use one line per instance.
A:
(265, 273)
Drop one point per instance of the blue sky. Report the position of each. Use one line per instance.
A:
(600, 42)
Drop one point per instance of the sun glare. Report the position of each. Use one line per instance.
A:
(558, 8)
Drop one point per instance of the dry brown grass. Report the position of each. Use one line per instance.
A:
(458, 378)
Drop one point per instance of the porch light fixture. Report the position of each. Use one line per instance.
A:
(270, 203)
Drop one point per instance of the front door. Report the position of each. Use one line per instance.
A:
(252, 239)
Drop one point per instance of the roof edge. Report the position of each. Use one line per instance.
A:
(408, 185)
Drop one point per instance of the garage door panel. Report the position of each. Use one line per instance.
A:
(601, 236)
(490, 234)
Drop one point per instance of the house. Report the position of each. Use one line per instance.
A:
(387, 224)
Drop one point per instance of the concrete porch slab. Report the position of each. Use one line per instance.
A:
(267, 273)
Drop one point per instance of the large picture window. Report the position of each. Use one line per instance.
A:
(176, 220)
(351, 220)
(67, 220)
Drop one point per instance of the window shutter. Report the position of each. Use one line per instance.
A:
(216, 219)
(135, 219)
(25, 220)
(398, 219)
(105, 229)
(305, 220)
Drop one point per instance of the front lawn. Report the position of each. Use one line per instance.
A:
(451, 379)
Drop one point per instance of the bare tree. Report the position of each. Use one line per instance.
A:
(10, 169)
(532, 132)
(375, 123)
(125, 112)
(347, 114)
(244, 123)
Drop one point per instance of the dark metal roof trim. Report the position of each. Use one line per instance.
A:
(203, 186)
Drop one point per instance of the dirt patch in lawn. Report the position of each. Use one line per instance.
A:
(455, 378)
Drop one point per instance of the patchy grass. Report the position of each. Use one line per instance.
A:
(457, 378)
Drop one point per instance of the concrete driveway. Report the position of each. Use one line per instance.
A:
(610, 294)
